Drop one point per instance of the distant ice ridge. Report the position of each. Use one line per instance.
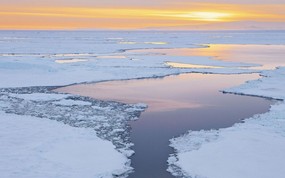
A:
(254, 148)
(57, 150)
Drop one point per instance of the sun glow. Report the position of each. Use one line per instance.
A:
(14, 17)
(203, 16)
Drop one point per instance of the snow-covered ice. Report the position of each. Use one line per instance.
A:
(39, 96)
(254, 148)
(107, 118)
(271, 85)
(28, 58)
(103, 120)
(32, 147)
(72, 103)
(32, 63)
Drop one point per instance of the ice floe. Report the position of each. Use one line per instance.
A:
(107, 120)
(250, 149)
(32, 147)
(29, 133)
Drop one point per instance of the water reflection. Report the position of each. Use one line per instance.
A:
(161, 94)
(269, 56)
(176, 104)
(183, 65)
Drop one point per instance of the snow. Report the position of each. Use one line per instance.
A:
(59, 135)
(72, 103)
(271, 85)
(31, 58)
(108, 119)
(40, 96)
(64, 61)
(32, 147)
(47, 134)
(254, 148)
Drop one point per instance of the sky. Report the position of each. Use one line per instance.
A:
(146, 14)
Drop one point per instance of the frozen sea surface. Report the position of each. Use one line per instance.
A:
(33, 147)
(30, 60)
(251, 149)
(108, 119)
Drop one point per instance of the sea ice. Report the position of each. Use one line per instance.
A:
(72, 103)
(254, 148)
(67, 153)
(32, 147)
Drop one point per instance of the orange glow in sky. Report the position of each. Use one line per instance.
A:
(107, 17)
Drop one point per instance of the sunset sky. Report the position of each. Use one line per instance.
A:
(138, 14)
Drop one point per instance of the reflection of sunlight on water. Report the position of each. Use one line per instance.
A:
(183, 65)
(176, 104)
(65, 61)
(161, 94)
(157, 105)
(268, 56)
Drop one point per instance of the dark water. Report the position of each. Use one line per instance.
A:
(151, 133)
(176, 104)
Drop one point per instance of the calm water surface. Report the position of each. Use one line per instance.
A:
(267, 56)
(176, 104)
